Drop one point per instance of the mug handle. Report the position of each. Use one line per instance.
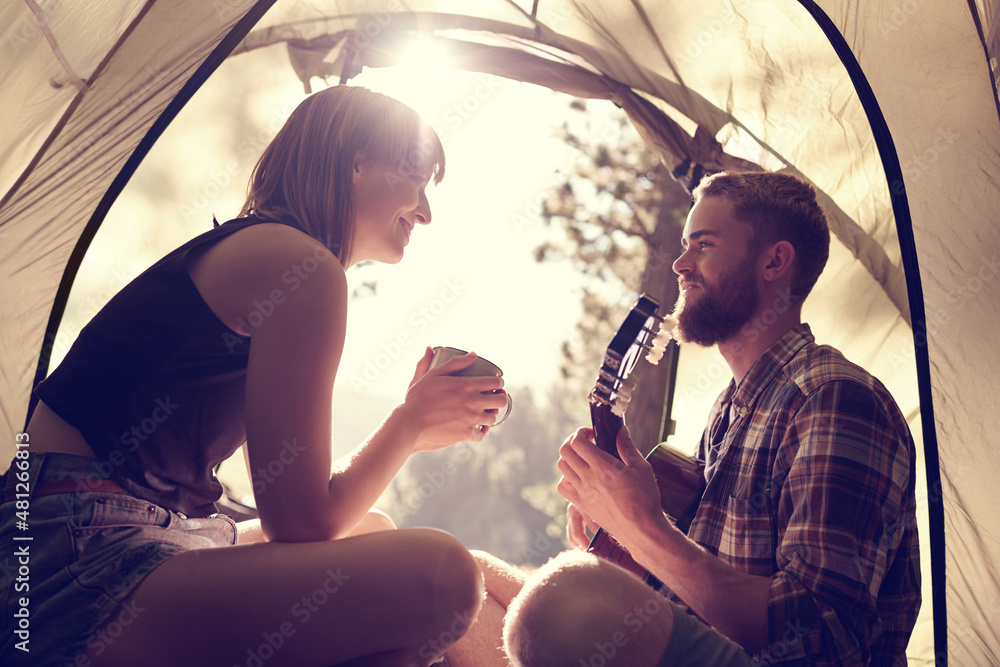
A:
(510, 405)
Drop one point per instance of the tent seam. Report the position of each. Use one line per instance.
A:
(43, 25)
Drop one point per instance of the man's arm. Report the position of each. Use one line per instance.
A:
(622, 497)
(844, 507)
(731, 601)
(838, 518)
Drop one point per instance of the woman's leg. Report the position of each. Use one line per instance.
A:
(483, 645)
(249, 530)
(503, 580)
(401, 597)
(373, 522)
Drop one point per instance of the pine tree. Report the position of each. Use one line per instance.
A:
(618, 218)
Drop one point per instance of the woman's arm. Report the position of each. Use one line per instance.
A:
(294, 293)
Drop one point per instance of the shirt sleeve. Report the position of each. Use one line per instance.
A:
(838, 514)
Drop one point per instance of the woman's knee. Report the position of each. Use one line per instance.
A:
(446, 575)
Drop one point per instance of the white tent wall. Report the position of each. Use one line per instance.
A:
(928, 72)
(763, 78)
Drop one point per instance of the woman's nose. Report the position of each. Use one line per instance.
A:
(422, 213)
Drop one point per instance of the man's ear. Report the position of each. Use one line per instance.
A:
(780, 258)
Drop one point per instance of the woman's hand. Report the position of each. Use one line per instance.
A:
(444, 409)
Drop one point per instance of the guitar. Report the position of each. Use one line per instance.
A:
(680, 478)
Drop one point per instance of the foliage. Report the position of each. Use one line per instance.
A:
(617, 205)
(617, 218)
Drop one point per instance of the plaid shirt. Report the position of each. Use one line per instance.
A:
(811, 483)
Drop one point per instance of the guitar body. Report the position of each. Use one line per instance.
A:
(680, 478)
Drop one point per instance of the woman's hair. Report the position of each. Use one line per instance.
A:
(304, 177)
(779, 207)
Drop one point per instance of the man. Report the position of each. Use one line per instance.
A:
(804, 547)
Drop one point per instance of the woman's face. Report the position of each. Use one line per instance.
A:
(388, 203)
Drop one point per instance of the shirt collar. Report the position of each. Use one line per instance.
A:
(765, 368)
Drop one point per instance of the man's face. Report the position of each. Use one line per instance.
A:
(718, 276)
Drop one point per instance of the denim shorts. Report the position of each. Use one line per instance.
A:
(68, 569)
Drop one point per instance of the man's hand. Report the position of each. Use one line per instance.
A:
(624, 499)
(577, 525)
(616, 495)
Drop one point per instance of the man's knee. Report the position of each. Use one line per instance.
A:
(578, 609)
(553, 617)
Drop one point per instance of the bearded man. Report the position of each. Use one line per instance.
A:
(803, 550)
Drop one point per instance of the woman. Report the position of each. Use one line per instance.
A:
(238, 335)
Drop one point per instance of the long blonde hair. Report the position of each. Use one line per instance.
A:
(304, 178)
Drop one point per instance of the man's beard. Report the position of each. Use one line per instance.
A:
(718, 313)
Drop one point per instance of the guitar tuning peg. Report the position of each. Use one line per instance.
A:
(618, 407)
(659, 343)
(663, 336)
(622, 398)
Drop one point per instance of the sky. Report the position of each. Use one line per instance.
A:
(469, 279)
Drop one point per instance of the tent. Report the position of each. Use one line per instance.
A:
(889, 108)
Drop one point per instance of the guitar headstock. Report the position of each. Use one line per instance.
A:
(642, 330)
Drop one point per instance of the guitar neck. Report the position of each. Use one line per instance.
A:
(684, 484)
(606, 426)
(631, 340)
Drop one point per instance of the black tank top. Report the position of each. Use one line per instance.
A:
(155, 383)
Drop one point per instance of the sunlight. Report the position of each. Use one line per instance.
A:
(422, 77)
(503, 161)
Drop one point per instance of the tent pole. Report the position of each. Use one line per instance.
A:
(210, 64)
(908, 249)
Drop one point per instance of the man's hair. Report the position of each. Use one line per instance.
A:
(305, 176)
(778, 207)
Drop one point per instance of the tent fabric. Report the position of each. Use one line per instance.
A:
(71, 145)
(888, 107)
